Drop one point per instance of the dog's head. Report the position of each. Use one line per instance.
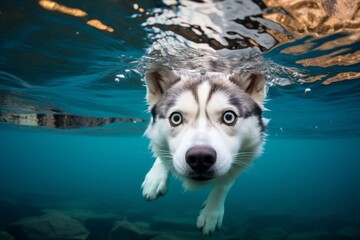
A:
(205, 125)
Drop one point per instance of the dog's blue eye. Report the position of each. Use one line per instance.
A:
(229, 118)
(175, 119)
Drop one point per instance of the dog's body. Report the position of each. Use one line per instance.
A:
(206, 128)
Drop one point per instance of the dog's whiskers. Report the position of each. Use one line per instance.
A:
(166, 160)
(249, 154)
(245, 164)
(164, 154)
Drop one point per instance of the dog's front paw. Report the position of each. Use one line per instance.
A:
(210, 219)
(154, 185)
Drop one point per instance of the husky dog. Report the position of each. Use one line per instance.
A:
(206, 128)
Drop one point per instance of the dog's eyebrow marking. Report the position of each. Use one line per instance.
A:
(165, 106)
(194, 93)
(246, 108)
(153, 113)
(192, 86)
(215, 87)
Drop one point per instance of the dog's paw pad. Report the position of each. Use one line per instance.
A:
(154, 186)
(210, 220)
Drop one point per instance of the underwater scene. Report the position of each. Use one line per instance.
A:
(73, 113)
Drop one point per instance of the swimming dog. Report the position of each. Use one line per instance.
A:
(206, 128)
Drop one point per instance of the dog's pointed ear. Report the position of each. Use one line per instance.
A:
(158, 80)
(251, 83)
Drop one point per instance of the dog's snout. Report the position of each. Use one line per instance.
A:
(200, 158)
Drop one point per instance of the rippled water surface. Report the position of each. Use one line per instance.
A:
(53, 61)
(72, 106)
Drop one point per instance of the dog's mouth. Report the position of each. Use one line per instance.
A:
(201, 178)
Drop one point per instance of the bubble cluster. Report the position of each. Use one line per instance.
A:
(177, 56)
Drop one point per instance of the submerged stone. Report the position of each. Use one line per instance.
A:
(125, 230)
(50, 226)
(181, 236)
(98, 224)
(352, 232)
(5, 236)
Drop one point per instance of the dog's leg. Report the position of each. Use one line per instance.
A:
(156, 180)
(211, 215)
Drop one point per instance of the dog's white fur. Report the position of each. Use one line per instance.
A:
(188, 92)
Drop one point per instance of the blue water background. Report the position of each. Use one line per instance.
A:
(302, 176)
(311, 162)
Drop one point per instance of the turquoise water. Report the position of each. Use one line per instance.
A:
(306, 182)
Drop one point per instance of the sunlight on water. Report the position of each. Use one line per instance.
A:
(75, 66)
(73, 112)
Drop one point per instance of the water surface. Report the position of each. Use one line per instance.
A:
(56, 62)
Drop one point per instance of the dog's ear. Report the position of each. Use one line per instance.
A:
(251, 83)
(158, 80)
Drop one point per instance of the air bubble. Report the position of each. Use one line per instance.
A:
(120, 76)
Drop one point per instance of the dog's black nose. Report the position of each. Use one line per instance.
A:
(200, 158)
